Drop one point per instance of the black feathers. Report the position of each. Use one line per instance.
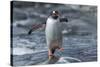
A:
(63, 20)
(30, 31)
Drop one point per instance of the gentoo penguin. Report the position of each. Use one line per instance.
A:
(53, 32)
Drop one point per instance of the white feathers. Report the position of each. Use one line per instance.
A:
(53, 31)
(54, 12)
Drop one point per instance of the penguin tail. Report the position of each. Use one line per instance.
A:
(53, 50)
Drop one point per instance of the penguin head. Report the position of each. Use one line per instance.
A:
(55, 14)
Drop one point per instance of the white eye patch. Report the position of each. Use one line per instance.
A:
(54, 12)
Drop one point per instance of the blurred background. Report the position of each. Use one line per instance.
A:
(79, 35)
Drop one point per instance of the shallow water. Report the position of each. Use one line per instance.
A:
(32, 49)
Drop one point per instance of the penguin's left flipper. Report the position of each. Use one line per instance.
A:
(63, 20)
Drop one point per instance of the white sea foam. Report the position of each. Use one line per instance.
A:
(23, 50)
(22, 22)
(66, 60)
(62, 60)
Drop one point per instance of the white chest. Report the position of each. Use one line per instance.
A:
(53, 28)
(52, 25)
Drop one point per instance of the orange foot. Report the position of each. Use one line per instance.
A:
(49, 53)
(61, 49)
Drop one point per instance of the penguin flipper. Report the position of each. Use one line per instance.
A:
(63, 20)
(35, 27)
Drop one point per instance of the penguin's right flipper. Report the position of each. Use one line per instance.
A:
(35, 27)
